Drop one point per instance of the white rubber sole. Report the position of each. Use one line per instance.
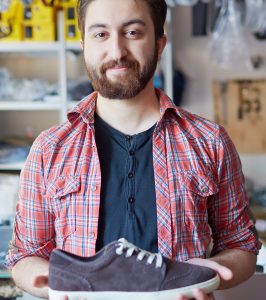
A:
(207, 286)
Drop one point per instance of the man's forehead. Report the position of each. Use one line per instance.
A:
(124, 24)
(117, 12)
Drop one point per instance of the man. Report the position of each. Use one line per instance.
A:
(129, 163)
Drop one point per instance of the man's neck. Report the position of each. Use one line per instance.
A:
(130, 116)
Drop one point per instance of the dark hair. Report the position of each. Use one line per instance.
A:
(158, 10)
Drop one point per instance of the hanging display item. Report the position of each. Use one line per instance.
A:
(255, 15)
(228, 46)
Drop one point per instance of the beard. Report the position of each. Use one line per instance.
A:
(125, 86)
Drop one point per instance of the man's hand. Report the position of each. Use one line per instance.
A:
(223, 272)
(198, 295)
(31, 279)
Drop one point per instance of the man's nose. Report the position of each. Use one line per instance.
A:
(118, 48)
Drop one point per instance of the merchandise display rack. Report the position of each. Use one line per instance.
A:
(60, 48)
(15, 47)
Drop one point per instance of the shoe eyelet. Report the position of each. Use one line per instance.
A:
(118, 252)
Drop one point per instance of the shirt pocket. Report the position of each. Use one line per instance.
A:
(62, 193)
(196, 191)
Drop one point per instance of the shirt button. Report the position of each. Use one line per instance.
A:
(128, 137)
(94, 187)
(131, 200)
(131, 152)
(130, 175)
(205, 190)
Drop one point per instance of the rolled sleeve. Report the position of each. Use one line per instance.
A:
(229, 217)
(33, 233)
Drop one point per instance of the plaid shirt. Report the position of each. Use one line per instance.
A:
(199, 185)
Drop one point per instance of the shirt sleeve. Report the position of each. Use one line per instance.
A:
(33, 233)
(229, 208)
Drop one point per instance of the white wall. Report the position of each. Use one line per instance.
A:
(191, 55)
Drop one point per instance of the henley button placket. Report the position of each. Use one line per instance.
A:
(131, 200)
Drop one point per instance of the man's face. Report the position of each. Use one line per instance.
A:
(119, 45)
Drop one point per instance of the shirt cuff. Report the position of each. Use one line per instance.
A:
(16, 252)
(245, 239)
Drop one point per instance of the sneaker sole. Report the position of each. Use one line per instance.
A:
(207, 286)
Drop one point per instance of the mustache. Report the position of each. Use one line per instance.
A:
(131, 64)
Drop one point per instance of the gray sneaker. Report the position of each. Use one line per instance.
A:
(123, 271)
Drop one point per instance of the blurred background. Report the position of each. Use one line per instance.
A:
(214, 65)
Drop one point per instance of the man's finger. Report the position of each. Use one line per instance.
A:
(200, 295)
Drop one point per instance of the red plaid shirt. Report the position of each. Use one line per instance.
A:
(200, 193)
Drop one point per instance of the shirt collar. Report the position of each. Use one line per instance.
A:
(86, 108)
(166, 104)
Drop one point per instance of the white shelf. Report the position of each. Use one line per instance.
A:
(59, 105)
(29, 47)
(225, 75)
(12, 166)
(28, 106)
(73, 46)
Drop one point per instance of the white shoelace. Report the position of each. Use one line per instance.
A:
(124, 244)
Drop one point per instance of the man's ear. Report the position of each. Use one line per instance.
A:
(82, 44)
(40, 281)
(161, 45)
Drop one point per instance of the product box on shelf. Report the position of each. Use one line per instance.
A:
(72, 32)
(11, 22)
(240, 106)
(39, 31)
(39, 22)
(38, 12)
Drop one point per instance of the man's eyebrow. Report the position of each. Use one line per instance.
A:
(134, 21)
(125, 24)
(97, 25)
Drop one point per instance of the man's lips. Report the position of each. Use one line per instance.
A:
(117, 69)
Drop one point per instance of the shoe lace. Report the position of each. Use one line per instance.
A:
(124, 244)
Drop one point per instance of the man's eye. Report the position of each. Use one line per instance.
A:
(132, 33)
(100, 35)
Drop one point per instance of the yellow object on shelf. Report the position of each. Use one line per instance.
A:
(39, 22)
(11, 22)
(39, 31)
(38, 12)
(72, 32)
